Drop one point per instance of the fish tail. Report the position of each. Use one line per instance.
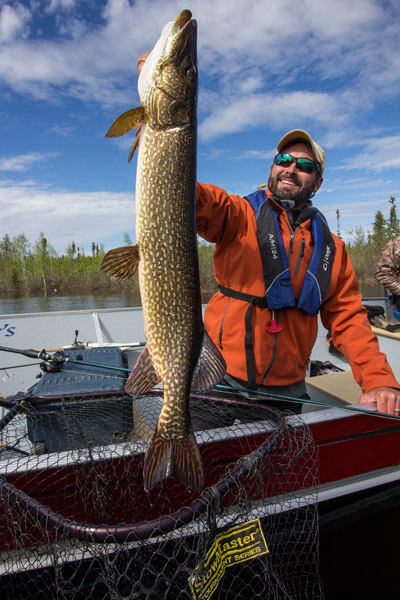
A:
(173, 457)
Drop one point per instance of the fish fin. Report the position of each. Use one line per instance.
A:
(134, 145)
(121, 262)
(181, 458)
(210, 368)
(143, 375)
(125, 122)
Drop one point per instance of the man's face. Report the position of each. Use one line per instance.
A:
(290, 183)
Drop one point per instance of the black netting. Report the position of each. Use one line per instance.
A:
(75, 521)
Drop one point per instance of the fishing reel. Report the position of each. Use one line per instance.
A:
(53, 363)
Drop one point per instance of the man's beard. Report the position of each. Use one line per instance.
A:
(300, 197)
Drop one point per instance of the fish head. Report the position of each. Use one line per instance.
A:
(168, 80)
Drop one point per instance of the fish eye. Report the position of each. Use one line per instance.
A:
(190, 73)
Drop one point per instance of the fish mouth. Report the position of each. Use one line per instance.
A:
(183, 31)
(182, 47)
(177, 39)
(168, 80)
(182, 19)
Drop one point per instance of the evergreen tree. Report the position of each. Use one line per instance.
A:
(43, 257)
(338, 223)
(21, 244)
(6, 246)
(379, 230)
(127, 239)
(393, 223)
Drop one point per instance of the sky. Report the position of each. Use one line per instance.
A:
(68, 69)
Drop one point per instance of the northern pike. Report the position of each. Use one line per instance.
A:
(178, 349)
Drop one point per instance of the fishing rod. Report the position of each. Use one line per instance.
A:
(42, 354)
(270, 396)
(57, 360)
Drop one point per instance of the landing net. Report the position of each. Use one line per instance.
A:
(75, 521)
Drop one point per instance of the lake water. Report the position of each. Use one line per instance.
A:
(11, 304)
(64, 301)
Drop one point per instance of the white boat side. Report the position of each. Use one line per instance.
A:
(122, 327)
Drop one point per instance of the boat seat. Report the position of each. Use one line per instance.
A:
(338, 387)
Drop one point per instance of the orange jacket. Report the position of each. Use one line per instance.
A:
(281, 358)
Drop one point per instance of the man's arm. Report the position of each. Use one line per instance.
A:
(219, 215)
(343, 314)
(388, 267)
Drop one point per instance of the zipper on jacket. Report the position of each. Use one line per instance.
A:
(222, 324)
(271, 362)
(291, 242)
(301, 254)
(292, 232)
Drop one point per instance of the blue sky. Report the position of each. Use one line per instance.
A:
(68, 69)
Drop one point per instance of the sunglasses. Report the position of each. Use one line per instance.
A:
(303, 164)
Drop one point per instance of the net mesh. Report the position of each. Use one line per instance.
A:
(75, 521)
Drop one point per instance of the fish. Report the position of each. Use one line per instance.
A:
(179, 351)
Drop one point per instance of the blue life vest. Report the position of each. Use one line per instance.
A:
(278, 284)
(277, 278)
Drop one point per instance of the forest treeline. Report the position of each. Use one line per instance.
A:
(40, 268)
(365, 247)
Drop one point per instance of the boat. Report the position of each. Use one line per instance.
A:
(73, 446)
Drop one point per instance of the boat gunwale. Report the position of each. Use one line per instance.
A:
(204, 438)
(71, 312)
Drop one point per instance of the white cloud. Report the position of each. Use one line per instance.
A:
(63, 216)
(348, 47)
(284, 110)
(62, 130)
(60, 4)
(241, 45)
(23, 162)
(380, 154)
(341, 18)
(255, 155)
(13, 21)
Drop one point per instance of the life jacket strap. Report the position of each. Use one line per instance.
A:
(260, 302)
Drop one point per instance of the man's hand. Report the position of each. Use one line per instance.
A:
(386, 399)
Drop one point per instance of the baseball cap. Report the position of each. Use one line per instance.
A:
(301, 134)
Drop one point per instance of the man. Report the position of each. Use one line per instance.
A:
(264, 318)
(388, 270)
(278, 265)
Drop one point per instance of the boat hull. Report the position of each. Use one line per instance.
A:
(355, 452)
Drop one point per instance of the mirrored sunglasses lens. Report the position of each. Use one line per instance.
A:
(283, 160)
(305, 165)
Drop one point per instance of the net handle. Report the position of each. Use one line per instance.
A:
(103, 534)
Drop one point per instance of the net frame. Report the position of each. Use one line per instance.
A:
(275, 459)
